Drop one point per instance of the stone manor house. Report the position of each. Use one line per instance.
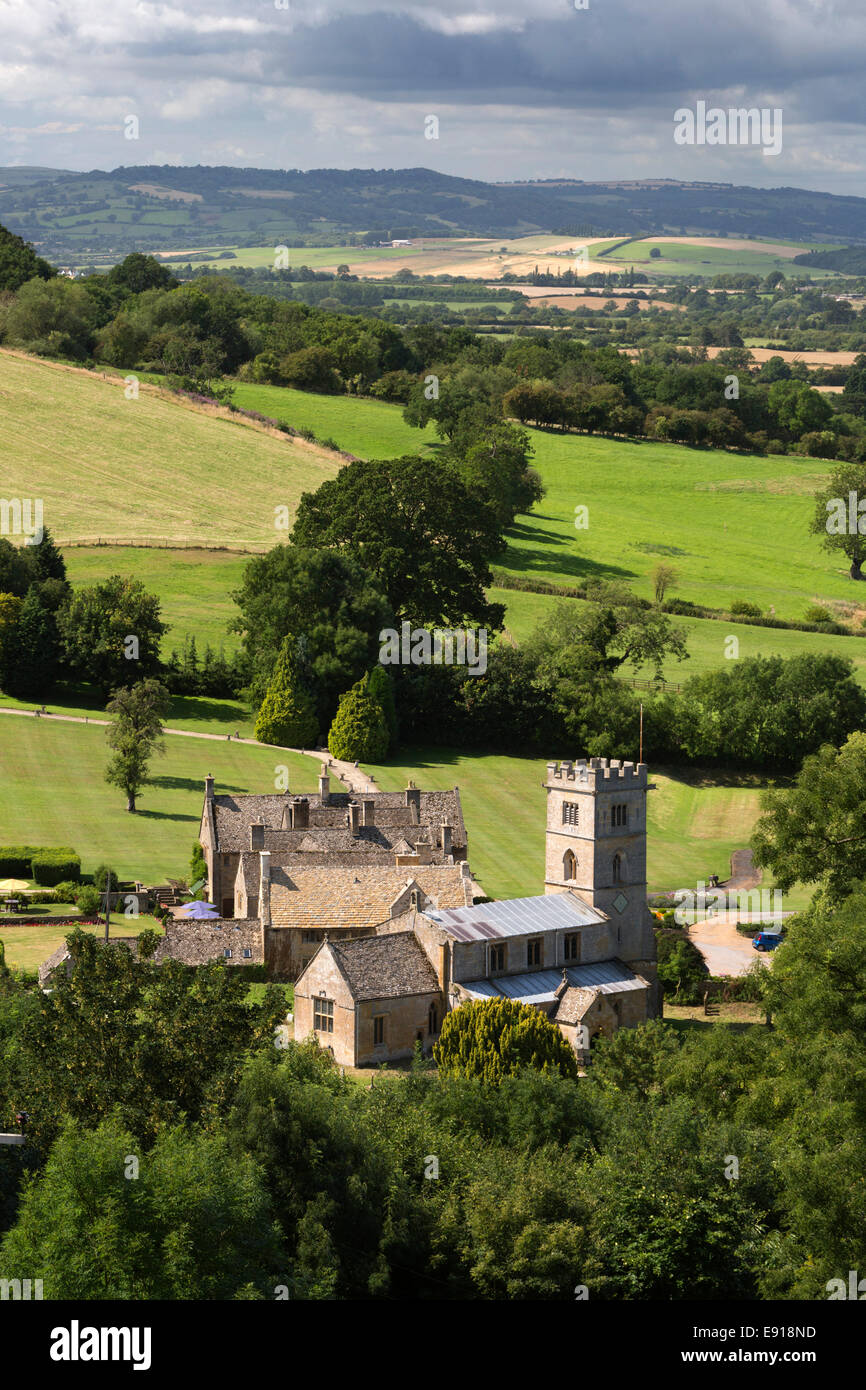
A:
(367, 903)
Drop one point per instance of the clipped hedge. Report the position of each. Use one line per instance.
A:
(52, 866)
(15, 860)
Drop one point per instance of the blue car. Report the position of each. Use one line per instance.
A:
(767, 940)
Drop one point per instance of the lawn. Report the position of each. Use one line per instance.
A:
(193, 713)
(54, 794)
(28, 946)
(694, 821)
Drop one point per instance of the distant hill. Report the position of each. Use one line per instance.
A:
(101, 216)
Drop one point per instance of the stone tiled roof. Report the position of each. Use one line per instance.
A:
(321, 897)
(384, 967)
(573, 1004)
(233, 815)
(196, 943)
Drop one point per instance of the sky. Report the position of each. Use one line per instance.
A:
(519, 88)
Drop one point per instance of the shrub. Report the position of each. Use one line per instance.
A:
(88, 900)
(741, 605)
(816, 614)
(52, 866)
(682, 971)
(65, 892)
(101, 874)
(501, 1037)
(359, 732)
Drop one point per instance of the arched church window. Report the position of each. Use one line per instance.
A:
(569, 866)
(617, 868)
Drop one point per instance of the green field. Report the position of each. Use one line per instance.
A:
(193, 587)
(694, 821)
(368, 428)
(109, 467)
(732, 525)
(54, 794)
(706, 638)
(682, 259)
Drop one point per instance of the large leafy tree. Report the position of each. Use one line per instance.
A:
(423, 539)
(815, 830)
(769, 711)
(152, 1042)
(29, 652)
(326, 599)
(135, 734)
(496, 1038)
(111, 631)
(186, 1220)
(19, 262)
(840, 527)
(493, 458)
(614, 629)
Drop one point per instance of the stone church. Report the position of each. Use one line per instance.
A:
(583, 952)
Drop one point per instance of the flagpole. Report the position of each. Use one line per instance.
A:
(640, 753)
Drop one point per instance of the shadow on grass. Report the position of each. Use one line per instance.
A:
(207, 711)
(695, 1025)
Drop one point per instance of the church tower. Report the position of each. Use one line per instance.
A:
(596, 848)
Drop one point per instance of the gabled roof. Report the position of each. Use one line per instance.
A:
(359, 897)
(517, 917)
(385, 967)
(233, 815)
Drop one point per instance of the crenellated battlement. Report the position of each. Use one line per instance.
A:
(598, 773)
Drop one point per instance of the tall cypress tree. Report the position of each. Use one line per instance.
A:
(287, 716)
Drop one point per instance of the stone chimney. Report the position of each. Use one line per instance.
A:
(324, 788)
(208, 788)
(368, 811)
(300, 813)
(413, 802)
(446, 837)
(354, 816)
(265, 887)
(444, 970)
(257, 836)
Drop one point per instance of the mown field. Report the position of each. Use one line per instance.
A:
(695, 821)
(54, 794)
(109, 467)
(694, 256)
